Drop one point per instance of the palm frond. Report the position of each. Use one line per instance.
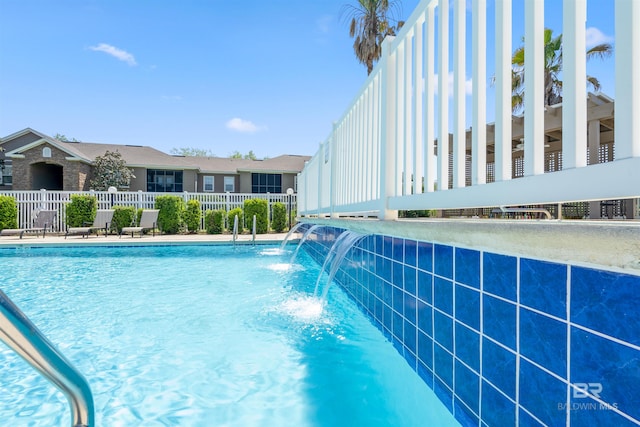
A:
(601, 51)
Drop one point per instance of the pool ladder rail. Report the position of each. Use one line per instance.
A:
(235, 230)
(23, 337)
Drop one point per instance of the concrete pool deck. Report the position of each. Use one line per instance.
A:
(53, 239)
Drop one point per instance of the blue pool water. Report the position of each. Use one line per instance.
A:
(202, 336)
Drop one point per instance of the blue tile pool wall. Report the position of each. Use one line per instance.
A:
(502, 340)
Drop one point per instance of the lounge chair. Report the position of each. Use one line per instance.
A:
(102, 221)
(148, 221)
(42, 221)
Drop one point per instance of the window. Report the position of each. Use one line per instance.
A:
(266, 183)
(46, 152)
(229, 184)
(208, 183)
(6, 177)
(164, 181)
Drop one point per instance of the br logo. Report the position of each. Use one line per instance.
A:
(581, 390)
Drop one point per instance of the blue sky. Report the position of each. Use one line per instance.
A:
(267, 76)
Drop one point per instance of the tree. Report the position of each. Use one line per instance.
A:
(110, 170)
(63, 138)
(552, 70)
(370, 23)
(249, 156)
(191, 152)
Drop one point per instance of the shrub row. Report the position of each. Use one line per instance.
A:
(8, 212)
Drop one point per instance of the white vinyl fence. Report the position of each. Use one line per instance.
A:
(402, 144)
(31, 201)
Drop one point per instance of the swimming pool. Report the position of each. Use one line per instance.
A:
(203, 335)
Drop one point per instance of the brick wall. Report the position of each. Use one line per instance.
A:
(75, 175)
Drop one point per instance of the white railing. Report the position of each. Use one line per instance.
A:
(393, 148)
(30, 201)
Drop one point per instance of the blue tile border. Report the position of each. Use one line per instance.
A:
(467, 267)
(499, 320)
(500, 275)
(613, 368)
(443, 261)
(597, 294)
(544, 341)
(501, 339)
(499, 367)
(543, 286)
(543, 395)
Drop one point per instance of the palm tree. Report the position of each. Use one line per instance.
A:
(552, 70)
(370, 24)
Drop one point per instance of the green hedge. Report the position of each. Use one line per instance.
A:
(230, 219)
(259, 208)
(170, 215)
(417, 214)
(214, 221)
(279, 222)
(8, 212)
(81, 210)
(123, 216)
(192, 216)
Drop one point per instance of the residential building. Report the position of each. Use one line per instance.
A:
(31, 160)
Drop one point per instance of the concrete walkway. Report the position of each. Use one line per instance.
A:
(30, 239)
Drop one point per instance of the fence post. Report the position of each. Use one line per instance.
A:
(387, 131)
(43, 198)
(331, 146)
(268, 210)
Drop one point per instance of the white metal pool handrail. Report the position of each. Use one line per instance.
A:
(235, 229)
(21, 335)
(504, 210)
(254, 230)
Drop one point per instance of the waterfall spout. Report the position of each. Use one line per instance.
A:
(304, 238)
(289, 234)
(338, 251)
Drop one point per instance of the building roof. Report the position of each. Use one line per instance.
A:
(286, 163)
(134, 155)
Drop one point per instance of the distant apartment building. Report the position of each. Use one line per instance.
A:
(31, 160)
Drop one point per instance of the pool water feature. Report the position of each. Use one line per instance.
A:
(203, 335)
(304, 238)
(334, 259)
(287, 237)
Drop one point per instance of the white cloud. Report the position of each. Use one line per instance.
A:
(323, 24)
(245, 126)
(115, 52)
(468, 84)
(596, 37)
